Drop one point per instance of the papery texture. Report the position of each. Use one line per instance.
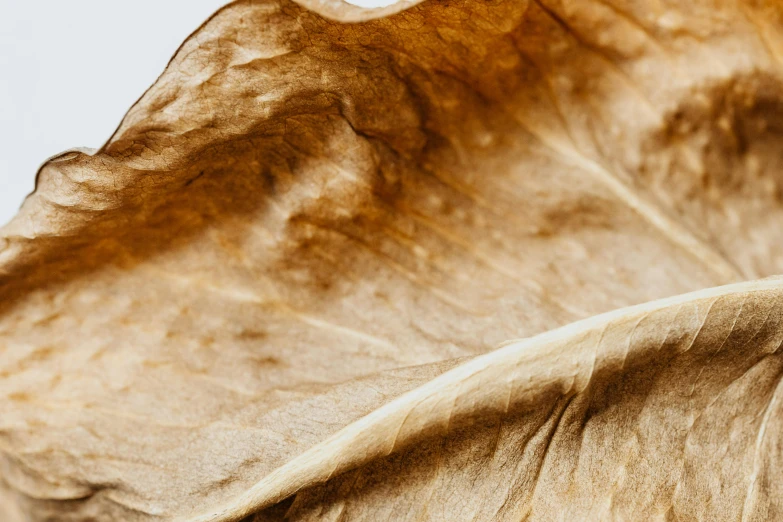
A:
(279, 289)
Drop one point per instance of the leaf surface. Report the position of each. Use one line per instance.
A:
(279, 288)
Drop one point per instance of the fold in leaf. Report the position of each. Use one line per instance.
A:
(668, 409)
(278, 289)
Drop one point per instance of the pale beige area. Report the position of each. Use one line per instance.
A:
(286, 286)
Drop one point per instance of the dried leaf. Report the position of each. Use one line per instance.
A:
(279, 289)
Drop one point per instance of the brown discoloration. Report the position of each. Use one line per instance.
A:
(722, 145)
(20, 397)
(252, 335)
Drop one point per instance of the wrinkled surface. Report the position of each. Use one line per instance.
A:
(279, 289)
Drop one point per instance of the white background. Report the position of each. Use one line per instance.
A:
(70, 69)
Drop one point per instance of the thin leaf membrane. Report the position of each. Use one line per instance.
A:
(289, 283)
